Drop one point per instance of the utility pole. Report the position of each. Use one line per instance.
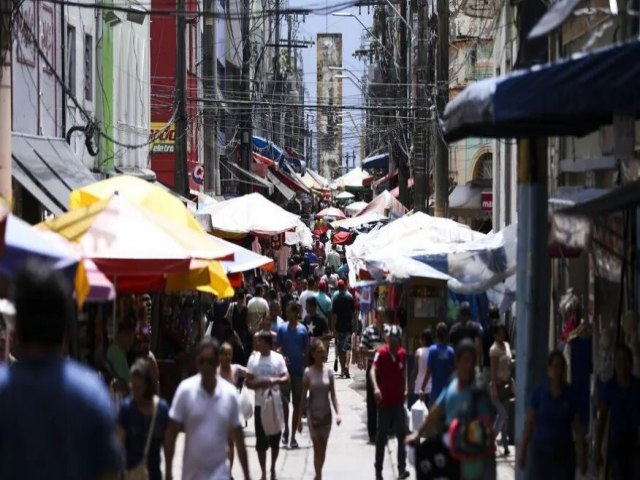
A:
(181, 183)
(277, 85)
(6, 23)
(442, 97)
(420, 170)
(246, 135)
(400, 156)
(210, 114)
(532, 310)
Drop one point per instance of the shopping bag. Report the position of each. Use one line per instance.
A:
(418, 412)
(271, 412)
(246, 405)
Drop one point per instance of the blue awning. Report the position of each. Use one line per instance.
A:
(572, 97)
(380, 161)
(267, 148)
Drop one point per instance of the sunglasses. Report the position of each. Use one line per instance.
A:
(206, 360)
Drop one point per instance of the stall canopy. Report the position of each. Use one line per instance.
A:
(244, 259)
(267, 149)
(355, 222)
(571, 97)
(250, 213)
(378, 162)
(385, 204)
(396, 191)
(355, 208)
(355, 178)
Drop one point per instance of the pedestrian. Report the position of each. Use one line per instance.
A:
(293, 339)
(287, 296)
(467, 328)
(440, 366)
(206, 408)
(319, 382)
(319, 271)
(373, 338)
(118, 352)
(343, 309)
(257, 309)
(389, 379)
(323, 301)
(237, 315)
(266, 370)
(274, 316)
(333, 259)
(621, 402)
(310, 292)
(465, 401)
(551, 424)
(420, 370)
(265, 326)
(502, 387)
(56, 415)
(234, 374)
(142, 422)
(317, 325)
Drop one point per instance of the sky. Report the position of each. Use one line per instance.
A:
(351, 40)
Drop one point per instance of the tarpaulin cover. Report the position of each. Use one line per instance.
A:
(380, 161)
(571, 97)
(355, 178)
(250, 213)
(385, 204)
(355, 208)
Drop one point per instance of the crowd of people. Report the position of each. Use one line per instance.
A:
(59, 412)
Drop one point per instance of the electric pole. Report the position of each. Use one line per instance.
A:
(442, 96)
(210, 113)
(181, 184)
(401, 113)
(246, 136)
(420, 170)
(6, 23)
(277, 85)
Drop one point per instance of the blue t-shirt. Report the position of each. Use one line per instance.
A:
(457, 403)
(57, 422)
(441, 363)
(624, 406)
(324, 305)
(343, 270)
(136, 427)
(294, 343)
(554, 415)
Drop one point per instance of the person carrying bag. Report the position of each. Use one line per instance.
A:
(140, 472)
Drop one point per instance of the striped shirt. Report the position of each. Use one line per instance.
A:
(372, 337)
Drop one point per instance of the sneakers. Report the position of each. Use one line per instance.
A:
(285, 439)
(294, 444)
(404, 474)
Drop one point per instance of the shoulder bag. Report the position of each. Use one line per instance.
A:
(140, 472)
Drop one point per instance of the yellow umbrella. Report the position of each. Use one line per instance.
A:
(138, 192)
(205, 276)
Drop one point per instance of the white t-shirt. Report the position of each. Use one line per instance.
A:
(208, 420)
(256, 309)
(265, 367)
(503, 356)
(421, 364)
(303, 301)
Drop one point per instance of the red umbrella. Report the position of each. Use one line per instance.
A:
(331, 212)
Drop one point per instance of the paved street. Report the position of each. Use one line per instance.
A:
(348, 451)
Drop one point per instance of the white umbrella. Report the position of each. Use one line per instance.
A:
(345, 196)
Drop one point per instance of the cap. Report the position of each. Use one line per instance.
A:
(394, 331)
(341, 284)
(322, 285)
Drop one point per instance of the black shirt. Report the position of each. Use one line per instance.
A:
(317, 326)
(343, 306)
(460, 331)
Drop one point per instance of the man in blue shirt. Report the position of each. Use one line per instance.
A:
(56, 415)
(440, 364)
(293, 341)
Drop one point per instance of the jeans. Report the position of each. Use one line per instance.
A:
(372, 407)
(500, 424)
(391, 420)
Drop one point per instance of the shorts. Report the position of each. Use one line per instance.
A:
(264, 443)
(343, 342)
(292, 391)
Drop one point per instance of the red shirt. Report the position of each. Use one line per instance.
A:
(390, 380)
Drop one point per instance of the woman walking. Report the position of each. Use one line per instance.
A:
(502, 388)
(553, 413)
(420, 370)
(318, 380)
(142, 422)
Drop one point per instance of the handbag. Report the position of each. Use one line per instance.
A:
(139, 472)
(271, 412)
(246, 406)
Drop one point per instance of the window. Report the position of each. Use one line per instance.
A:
(88, 67)
(71, 59)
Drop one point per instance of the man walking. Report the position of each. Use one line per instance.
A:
(343, 310)
(257, 309)
(310, 292)
(389, 379)
(293, 339)
(465, 328)
(372, 340)
(264, 371)
(323, 301)
(207, 409)
(56, 416)
(440, 365)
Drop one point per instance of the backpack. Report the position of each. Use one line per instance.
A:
(471, 434)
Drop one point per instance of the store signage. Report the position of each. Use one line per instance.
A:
(487, 201)
(198, 174)
(164, 138)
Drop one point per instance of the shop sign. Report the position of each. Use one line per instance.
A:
(165, 141)
(487, 201)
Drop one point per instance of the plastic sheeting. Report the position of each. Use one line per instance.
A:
(385, 204)
(355, 178)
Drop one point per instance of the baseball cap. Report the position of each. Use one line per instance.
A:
(341, 284)
(322, 285)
